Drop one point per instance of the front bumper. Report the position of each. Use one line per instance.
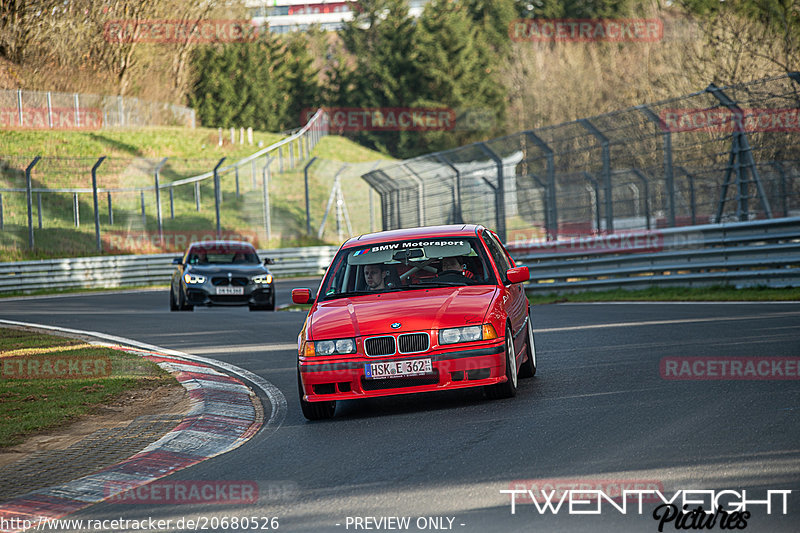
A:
(344, 379)
(252, 295)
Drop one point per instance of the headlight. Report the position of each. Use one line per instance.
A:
(193, 278)
(338, 346)
(266, 279)
(467, 334)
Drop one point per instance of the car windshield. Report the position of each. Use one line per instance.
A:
(222, 254)
(408, 265)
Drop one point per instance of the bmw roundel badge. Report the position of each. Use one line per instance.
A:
(396, 325)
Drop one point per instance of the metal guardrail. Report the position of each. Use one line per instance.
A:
(741, 254)
(137, 270)
(758, 253)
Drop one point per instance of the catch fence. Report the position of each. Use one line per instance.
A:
(720, 154)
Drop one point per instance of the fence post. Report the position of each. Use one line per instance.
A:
(19, 106)
(596, 205)
(144, 214)
(197, 195)
(2, 222)
(609, 198)
(94, 203)
(236, 171)
(265, 191)
(551, 211)
(644, 181)
(308, 209)
(500, 195)
(76, 210)
(30, 199)
(458, 216)
(49, 110)
(77, 111)
(217, 195)
(669, 175)
(158, 202)
(171, 204)
(39, 208)
(420, 195)
(110, 210)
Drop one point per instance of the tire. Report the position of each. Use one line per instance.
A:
(173, 305)
(182, 305)
(269, 307)
(528, 368)
(315, 410)
(507, 389)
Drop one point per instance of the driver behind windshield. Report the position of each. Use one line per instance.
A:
(375, 276)
(454, 264)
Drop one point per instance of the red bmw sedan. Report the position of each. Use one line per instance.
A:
(415, 310)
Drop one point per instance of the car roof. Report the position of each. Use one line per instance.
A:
(425, 232)
(221, 243)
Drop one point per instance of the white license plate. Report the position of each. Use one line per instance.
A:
(398, 369)
(230, 291)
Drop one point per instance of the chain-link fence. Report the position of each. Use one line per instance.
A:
(51, 110)
(719, 154)
(141, 205)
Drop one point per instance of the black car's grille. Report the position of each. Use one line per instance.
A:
(413, 342)
(379, 346)
(236, 282)
(399, 383)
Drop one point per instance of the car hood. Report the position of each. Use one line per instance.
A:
(236, 270)
(418, 310)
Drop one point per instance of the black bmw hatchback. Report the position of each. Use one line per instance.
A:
(221, 273)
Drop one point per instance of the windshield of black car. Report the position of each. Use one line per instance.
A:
(222, 255)
(408, 265)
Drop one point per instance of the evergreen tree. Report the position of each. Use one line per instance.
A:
(458, 70)
(384, 71)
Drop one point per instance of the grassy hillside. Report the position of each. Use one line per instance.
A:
(131, 158)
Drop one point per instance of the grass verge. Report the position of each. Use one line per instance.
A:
(719, 293)
(46, 381)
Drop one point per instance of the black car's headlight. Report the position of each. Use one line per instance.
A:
(467, 334)
(262, 279)
(337, 346)
(193, 278)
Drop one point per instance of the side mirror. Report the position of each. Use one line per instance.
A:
(302, 296)
(269, 261)
(518, 274)
(177, 261)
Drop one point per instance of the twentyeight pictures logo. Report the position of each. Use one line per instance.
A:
(586, 30)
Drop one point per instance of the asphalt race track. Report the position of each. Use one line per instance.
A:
(598, 412)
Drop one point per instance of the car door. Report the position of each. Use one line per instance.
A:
(515, 302)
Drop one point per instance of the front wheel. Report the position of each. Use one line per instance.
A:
(173, 305)
(507, 389)
(528, 368)
(315, 410)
